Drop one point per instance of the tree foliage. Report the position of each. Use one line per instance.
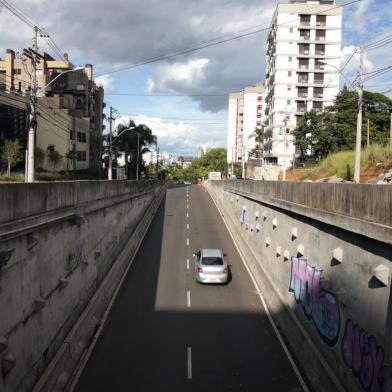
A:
(11, 154)
(214, 160)
(335, 128)
(127, 142)
(257, 152)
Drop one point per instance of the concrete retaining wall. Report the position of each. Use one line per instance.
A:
(63, 247)
(323, 253)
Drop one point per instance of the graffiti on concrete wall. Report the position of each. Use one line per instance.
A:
(318, 304)
(365, 358)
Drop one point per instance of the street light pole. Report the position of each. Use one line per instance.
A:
(137, 158)
(110, 143)
(32, 118)
(357, 167)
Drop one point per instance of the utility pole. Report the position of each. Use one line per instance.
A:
(232, 160)
(368, 134)
(284, 149)
(390, 134)
(33, 114)
(157, 165)
(110, 143)
(357, 168)
(137, 157)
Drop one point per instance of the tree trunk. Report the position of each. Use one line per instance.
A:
(9, 169)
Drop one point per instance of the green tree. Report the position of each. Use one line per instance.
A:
(335, 128)
(39, 157)
(54, 157)
(127, 142)
(11, 154)
(257, 152)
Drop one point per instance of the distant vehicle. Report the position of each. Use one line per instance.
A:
(214, 176)
(232, 177)
(211, 266)
(187, 183)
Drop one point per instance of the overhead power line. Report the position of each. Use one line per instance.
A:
(207, 45)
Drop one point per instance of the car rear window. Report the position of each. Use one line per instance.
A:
(212, 261)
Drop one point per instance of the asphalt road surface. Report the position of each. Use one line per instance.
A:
(165, 332)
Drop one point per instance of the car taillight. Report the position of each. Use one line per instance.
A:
(226, 271)
(200, 270)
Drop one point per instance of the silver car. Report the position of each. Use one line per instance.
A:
(211, 266)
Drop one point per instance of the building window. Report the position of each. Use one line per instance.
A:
(304, 49)
(82, 137)
(289, 73)
(321, 20)
(317, 106)
(304, 34)
(290, 59)
(259, 98)
(17, 71)
(320, 35)
(302, 77)
(81, 156)
(304, 20)
(288, 102)
(288, 87)
(291, 30)
(318, 78)
(303, 92)
(320, 49)
(303, 63)
(318, 92)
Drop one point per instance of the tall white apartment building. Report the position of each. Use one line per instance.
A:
(245, 113)
(303, 59)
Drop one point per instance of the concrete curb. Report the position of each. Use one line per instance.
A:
(66, 366)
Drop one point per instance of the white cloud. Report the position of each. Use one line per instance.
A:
(359, 18)
(179, 137)
(105, 81)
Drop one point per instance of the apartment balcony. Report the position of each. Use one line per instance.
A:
(317, 110)
(318, 81)
(321, 24)
(304, 52)
(303, 81)
(303, 95)
(320, 67)
(301, 108)
(304, 66)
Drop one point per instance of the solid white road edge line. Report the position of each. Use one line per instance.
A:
(278, 335)
(189, 362)
(188, 299)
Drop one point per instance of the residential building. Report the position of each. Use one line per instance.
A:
(184, 162)
(302, 70)
(69, 110)
(200, 152)
(245, 113)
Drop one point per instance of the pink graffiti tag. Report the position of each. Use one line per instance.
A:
(365, 358)
(318, 304)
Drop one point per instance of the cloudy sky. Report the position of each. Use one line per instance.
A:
(189, 108)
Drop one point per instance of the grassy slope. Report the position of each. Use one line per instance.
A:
(374, 160)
